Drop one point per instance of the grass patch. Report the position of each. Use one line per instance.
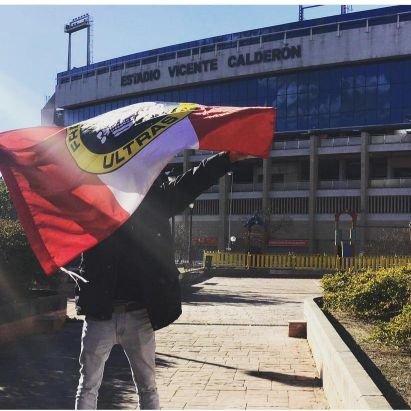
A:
(371, 310)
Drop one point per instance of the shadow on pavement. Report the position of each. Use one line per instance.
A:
(199, 295)
(41, 372)
(287, 379)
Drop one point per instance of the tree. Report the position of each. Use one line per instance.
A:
(7, 210)
(389, 241)
(180, 242)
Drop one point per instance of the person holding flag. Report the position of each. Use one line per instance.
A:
(90, 189)
(133, 287)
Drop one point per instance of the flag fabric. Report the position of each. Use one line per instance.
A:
(72, 187)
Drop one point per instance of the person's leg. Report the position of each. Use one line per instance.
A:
(138, 341)
(97, 340)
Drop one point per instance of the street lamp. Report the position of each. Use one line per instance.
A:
(190, 234)
(230, 173)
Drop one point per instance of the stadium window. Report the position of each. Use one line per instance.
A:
(198, 95)
(360, 117)
(291, 105)
(302, 122)
(252, 89)
(291, 123)
(292, 84)
(208, 95)
(324, 102)
(371, 98)
(371, 75)
(174, 96)
(313, 107)
(323, 121)
(384, 75)
(371, 117)
(280, 124)
(183, 95)
(328, 79)
(303, 104)
(346, 118)
(281, 104)
(347, 78)
(303, 83)
(271, 87)
(360, 79)
(360, 101)
(383, 91)
(281, 86)
(383, 115)
(262, 91)
(225, 94)
(335, 120)
(335, 101)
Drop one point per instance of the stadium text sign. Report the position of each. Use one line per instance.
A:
(204, 66)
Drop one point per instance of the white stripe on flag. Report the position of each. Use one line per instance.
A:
(130, 183)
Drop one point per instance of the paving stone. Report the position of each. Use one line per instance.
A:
(235, 349)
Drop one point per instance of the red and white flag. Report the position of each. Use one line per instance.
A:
(72, 187)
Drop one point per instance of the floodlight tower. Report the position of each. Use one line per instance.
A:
(79, 23)
(301, 9)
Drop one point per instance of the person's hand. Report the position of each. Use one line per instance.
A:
(235, 156)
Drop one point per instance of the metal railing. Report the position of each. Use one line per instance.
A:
(391, 139)
(390, 183)
(220, 259)
(340, 141)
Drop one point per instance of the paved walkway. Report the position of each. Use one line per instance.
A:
(229, 350)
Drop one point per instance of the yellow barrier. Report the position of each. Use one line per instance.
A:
(298, 262)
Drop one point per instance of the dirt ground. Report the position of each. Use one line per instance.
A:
(390, 368)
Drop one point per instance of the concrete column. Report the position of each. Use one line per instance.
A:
(313, 193)
(266, 185)
(224, 186)
(365, 172)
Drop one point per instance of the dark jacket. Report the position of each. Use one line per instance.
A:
(143, 249)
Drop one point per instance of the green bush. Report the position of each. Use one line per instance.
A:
(19, 268)
(397, 331)
(370, 294)
(383, 296)
(7, 210)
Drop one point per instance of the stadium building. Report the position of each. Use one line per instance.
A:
(341, 156)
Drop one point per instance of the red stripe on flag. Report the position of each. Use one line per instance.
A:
(247, 130)
(63, 210)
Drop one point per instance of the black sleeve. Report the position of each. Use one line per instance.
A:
(188, 186)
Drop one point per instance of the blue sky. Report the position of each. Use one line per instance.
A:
(33, 46)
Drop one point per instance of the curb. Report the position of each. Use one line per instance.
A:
(345, 382)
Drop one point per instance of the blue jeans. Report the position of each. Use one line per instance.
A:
(133, 331)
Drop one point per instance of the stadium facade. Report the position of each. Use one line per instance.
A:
(342, 89)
